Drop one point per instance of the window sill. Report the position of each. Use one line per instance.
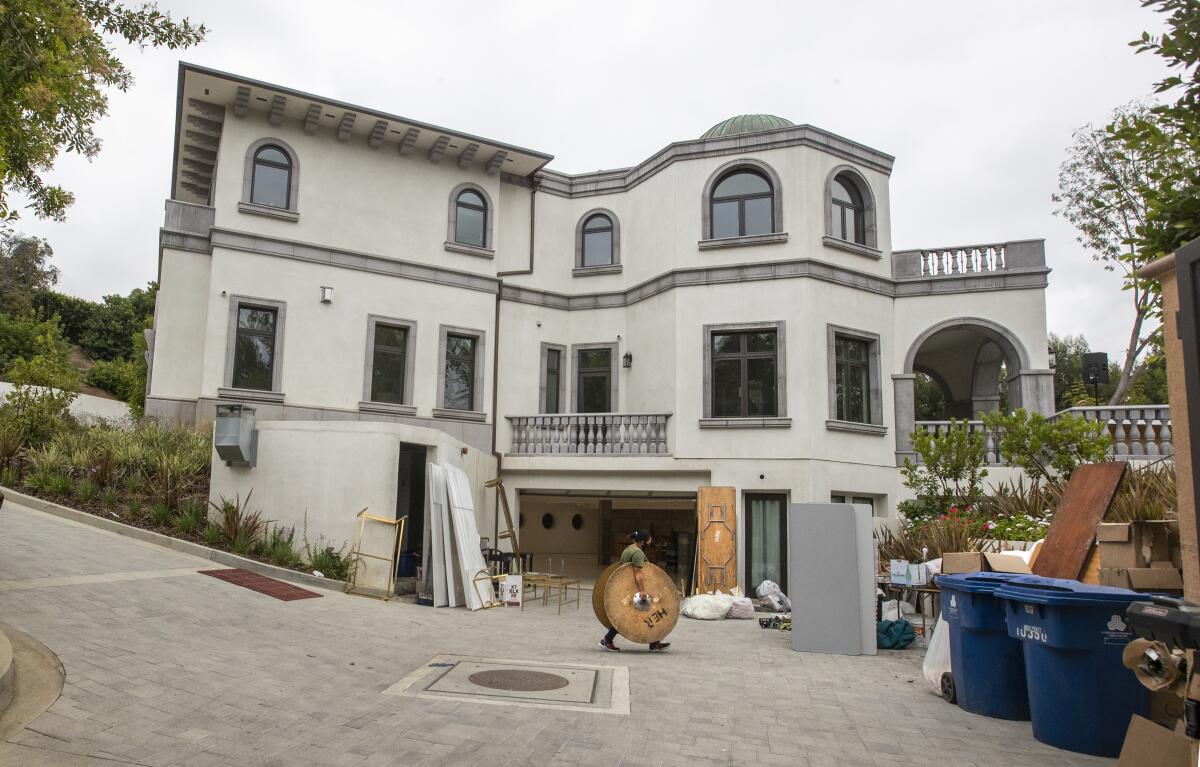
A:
(470, 250)
(387, 407)
(873, 429)
(737, 242)
(268, 211)
(852, 247)
(588, 271)
(459, 415)
(251, 395)
(746, 423)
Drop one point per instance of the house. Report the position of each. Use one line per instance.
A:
(728, 312)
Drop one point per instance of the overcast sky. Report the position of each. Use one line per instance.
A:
(977, 102)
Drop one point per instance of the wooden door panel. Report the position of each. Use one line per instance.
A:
(716, 539)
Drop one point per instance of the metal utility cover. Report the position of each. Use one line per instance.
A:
(577, 685)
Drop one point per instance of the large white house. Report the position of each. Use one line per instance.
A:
(727, 312)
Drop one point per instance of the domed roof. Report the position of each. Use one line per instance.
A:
(746, 124)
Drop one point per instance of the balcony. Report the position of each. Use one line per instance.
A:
(992, 259)
(1138, 432)
(590, 434)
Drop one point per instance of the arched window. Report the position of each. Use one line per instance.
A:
(597, 241)
(742, 204)
(271, 178)
(849, 213)
(470, 219)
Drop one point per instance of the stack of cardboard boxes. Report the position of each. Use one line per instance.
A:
(1142, 556)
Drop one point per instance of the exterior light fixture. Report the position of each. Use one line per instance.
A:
(627, 360)
(326, 294)
(1053, 357)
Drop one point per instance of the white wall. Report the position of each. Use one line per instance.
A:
(86, 406)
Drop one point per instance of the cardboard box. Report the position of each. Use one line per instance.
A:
(1006, 563)
(963, 562)
(905, 573)
(1161, 580)
(1166, 708)
(1134, 544)
(1149, 745)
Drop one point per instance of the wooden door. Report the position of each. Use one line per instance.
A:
(716, 539)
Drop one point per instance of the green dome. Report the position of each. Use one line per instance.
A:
(747, 124)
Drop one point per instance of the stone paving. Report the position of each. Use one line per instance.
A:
(179, 669)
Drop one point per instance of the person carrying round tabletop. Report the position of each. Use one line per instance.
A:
(634, 555)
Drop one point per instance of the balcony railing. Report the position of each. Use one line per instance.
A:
(590, 434)
(1138, 432)
(968, 260)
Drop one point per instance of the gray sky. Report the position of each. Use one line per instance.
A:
(976, 101)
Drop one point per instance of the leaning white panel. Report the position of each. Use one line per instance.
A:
(435, 499)
(466, 534)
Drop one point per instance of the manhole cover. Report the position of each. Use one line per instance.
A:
(518, 680)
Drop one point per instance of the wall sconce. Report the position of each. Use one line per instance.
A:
(326, 294)
(627, 360)
(1053, 357)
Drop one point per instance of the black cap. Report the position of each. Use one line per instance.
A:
(639, 535)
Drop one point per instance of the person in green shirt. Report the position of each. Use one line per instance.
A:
(634, 555)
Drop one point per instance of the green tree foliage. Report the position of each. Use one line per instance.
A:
(55, 66)
(22, 337)
(950, 474)
(1149, 385)
(103, 329)
(1047, 450)
(1170, 139)
(44, 388)
(24, 270)
(930, 400)
(1069, 387)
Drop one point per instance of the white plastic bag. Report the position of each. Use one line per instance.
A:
(937, 657)
(707, 607)
(894, 610)
(742, 608)
(771, 588)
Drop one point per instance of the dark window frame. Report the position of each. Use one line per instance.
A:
(740, 199)
(286, 166)
(472, 359)
(554, 376)
(397, 351)
(459, 205)
(783, 548)
(612, 235)
(582, 373)
(839, 208)
(861, 368)
(743, 355)
(240, 332)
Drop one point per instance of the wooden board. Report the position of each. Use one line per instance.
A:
(598, 594)
(647, 625)
(1072, 534)
(716, 539)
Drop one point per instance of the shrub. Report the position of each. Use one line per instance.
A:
(1146, 494)
(44, 388)
(280, 546)
(190, 517)
(240, 528)
(134, 482)
(109, 497)
(9, 475)
(1014, 499)
(211, 534)
(324, 558)
(134, 508)
(1018, 527)
(21, 339)
(951, 474)
(160, 514)
(117, 377)
(1047, 450)
(59, 485)
(85, 490)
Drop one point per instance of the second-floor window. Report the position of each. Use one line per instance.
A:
(744, 374)
(742, 204)
(470, 219)
(849, 222)
(272, 178)
(459, 385)
(553, 380)
(852, 379)
(598, 241)
(254, 348)
(594, 380)
(388, 363)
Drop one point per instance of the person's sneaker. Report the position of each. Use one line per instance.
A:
(659, 646)
(607, 644)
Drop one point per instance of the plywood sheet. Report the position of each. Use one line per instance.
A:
(716, 539)
(469, 558)
(1085, 501)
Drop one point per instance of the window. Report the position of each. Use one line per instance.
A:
(553, 380)
(766, 533)
(744, 374)
(594, 380)
(849, 213)
(861, 500)
(388, 364)
(853, 379)
(254, 348)
(458, 391)
(470, 219)
(597, 241)
(742, 204)
(271, 178)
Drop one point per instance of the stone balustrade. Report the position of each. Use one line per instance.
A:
(1139, 432)
(590, 434)
(969, 260)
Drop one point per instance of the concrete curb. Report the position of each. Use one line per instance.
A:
(6, 670)
(175, 544)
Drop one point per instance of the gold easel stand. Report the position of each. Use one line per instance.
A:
(357, 556)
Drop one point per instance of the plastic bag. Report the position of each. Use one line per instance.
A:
(937, 657)
(889, 611)
(742, 608)
(771, 588)
(772, 604)
(707, 607)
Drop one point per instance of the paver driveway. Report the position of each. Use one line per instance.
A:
(168, 667)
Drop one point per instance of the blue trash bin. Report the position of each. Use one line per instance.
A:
(987, 664)
(1081, 697)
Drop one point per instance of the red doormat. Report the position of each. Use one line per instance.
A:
(262, 584)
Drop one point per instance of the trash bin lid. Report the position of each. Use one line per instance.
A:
(975, 583)
(1060, 591)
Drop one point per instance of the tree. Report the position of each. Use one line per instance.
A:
(55, 66)
(23, 271)
(930, 400)
(950, 474)
(1048, 450)
(1102, 192)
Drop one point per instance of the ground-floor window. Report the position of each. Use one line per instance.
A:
(862, 500)
(766, 535)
